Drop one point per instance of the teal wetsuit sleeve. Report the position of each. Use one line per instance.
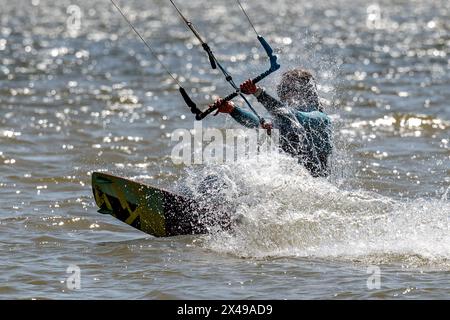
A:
(270, 103)
(245, 118)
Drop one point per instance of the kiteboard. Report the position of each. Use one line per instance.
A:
(153, 210)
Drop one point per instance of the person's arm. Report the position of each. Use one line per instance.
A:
(245, 118)
(270, 103)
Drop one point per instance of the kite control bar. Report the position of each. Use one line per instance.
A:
(274, 66)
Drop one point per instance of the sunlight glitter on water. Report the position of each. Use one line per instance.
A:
(95, 100)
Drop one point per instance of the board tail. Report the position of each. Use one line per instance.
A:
(152, 210)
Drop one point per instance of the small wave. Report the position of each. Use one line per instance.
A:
(282, 211)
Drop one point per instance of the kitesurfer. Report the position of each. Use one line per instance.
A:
(304, 127)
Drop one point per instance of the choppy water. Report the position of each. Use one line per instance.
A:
(74, 100)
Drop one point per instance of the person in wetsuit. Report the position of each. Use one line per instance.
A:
(305, 130)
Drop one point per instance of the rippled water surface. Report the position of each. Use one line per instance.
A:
(80, 93)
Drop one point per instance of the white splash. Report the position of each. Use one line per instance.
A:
(282, 211)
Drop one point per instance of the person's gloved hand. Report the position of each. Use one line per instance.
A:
(248, 87)
(223, 106)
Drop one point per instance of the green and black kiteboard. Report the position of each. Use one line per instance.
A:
(152, 210)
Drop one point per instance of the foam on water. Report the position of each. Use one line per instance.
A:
(283, 211)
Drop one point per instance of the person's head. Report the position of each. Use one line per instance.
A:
(298, 87)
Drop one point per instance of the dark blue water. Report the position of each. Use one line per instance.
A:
(79, 92)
